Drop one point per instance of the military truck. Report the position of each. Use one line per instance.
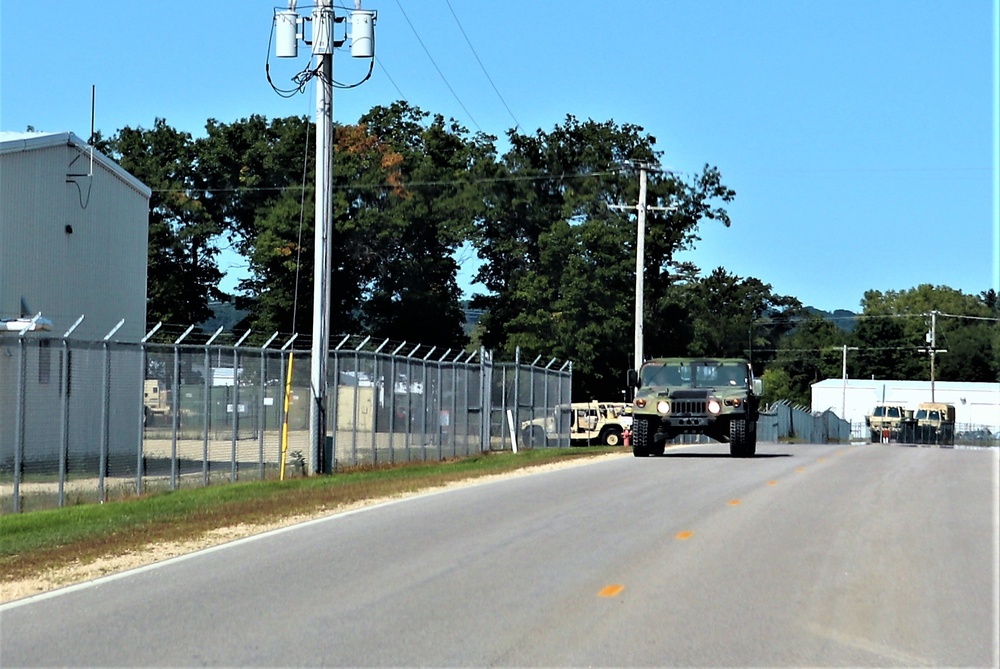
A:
(156, 402)
(587, 423)
(933, 423)
(886, 420)
(717, 397)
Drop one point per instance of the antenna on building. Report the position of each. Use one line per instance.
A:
(93, 96)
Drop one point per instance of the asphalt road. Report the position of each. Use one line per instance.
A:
(808, 555)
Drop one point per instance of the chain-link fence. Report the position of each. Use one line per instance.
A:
(94, 421)
(783, 420)
(911, 433)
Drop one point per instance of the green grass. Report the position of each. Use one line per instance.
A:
(41, 540)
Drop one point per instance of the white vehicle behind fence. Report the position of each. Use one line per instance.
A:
(584, 423)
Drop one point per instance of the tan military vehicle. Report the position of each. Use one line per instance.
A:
(886, 420)
(935, 424)
(156, 402)
(586, 423)
(716, 397)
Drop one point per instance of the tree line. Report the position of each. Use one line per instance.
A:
(557, 261)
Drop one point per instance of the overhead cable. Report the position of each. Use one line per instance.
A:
(440, 73)
(517, 124)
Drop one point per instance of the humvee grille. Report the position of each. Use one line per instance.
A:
(689, 406)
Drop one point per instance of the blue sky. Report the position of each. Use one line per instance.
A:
(859, 135)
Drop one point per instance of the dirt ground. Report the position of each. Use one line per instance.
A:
(112, 564)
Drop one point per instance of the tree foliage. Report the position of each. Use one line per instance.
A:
(182, 274)
(721, 313)
(557, 251)
(559, 263)
(894, 334)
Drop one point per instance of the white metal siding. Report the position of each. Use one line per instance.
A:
(99, 270)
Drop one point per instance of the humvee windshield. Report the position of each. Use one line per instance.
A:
(694, 375)
(923, 414)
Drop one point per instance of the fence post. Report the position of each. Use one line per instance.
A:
(105, 411)
(504, 404)
(175, 417)
(517, 391)
(334, 418)
(453, 411)
(425, 408)
(547, 372)
(409, 400)
(485, 400)
(392, 402)
(206, 420)
(282, 413)
(140, 460)
(467, 401)
(260, 421)
(233, 474)
(566, 388)
(64, 413)
(19, 421)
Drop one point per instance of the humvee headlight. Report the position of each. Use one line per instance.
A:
(640, 402)
(714, 407)
(663, 407)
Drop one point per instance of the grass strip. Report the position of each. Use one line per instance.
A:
(40, 540)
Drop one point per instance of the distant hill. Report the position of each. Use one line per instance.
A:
(842, 318)
(224, 315)
(472, 316)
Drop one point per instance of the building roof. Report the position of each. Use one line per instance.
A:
(877, 384)
(14, 142)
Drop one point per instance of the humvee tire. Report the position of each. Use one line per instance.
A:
(742, 438)
(640, 438)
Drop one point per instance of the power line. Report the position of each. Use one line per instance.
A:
(391, 80)
(517, 124)
(388, 186)
(440, 73)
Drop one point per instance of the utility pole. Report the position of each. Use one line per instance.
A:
(640, 254)
(640, 278)
(843, 401)
(324, 42)
(932, 349)
(323, 22)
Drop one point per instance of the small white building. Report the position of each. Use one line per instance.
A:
(975, 403)
(74, 227)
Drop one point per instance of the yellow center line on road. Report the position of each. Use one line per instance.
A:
(772, 483)
(800, 469)
(686, 534)
(733, 502)
(610, 590)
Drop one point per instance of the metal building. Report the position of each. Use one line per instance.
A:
(975, 403)
(73, 236)
(73, 242)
